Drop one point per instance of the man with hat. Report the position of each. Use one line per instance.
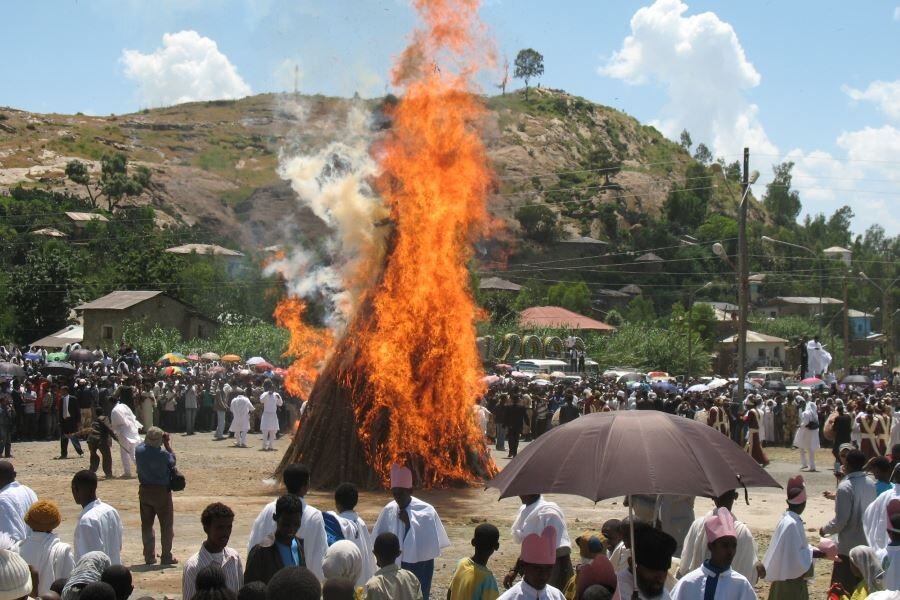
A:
(154, 466)
(15, 576)
(715, 577)
(651, 561)
(537, 558)
(15, 500)
(788, 561)
(42, 549)
(535, 515)
(416, 524)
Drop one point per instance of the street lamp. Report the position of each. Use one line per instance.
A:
(766, 238)
(743, 272)
(887, 316)
(690, 365)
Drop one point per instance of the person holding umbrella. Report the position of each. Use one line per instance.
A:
(534, 517)
(653, 550)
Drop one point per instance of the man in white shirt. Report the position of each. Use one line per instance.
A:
(270, 401)
(127, 428)
(715, 577)
(535, 515)
(312, 526)
(15, 500)
(99, 526)
(538, 558)
(217, 520)
(241, 407)
(345, 524)
(416, 524)
(653, 550)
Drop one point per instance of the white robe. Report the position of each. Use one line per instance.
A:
(270, 401)
(241, 407)
(50, 557)
(895, 429)
(875, 519)
(126, 426)
(818, 358)
(890, 562)
(806, 438)
(312, 532)
(482, 416)
(696, 550)
(731, 586)
(15, 500)
(99, 528)
(523, 591)
(535, 517)
(355, 530)
(789, 555)
(426, 536)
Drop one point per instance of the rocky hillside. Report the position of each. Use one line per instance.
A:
(214, 163)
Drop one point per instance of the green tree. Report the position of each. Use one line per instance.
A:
(702, 322)
(575, 296)
(703, 155)
(687, 203)
(533, 293)
(640, 310)
(529, 64)
(539, 223)
(610, 220)
(685, 140)
(42, 292)
(115, 182)
(782, 202)
(614, 318)
(602, 161)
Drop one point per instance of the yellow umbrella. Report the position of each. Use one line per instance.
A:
(231, 358)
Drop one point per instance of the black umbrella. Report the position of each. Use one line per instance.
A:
(58, 368)
(8, 369)
(81, 355)
(856, 380)
(776, 386)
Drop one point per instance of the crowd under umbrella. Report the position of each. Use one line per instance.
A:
(171, 370)
(172, 358)
(614, 454)
(210, 356)
(58, 368)
(231, 358)
(8, 369)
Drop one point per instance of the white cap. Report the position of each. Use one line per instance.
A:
(15, 577)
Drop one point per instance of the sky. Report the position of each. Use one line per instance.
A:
(811, 81)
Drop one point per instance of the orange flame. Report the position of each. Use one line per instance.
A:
(418, 349)
(309, 346)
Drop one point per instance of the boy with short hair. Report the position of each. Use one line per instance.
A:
(472, 579)
(390, 582)
(217, 520)
(281, 549)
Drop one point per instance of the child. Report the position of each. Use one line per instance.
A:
(390, 582)
(538, 557)
(472, 579)
(282, 549)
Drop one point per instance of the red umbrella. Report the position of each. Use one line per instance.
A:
(263, 367)
(811, 381)
(194, 357)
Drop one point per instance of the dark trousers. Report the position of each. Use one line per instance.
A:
(64, 445)
(424, 571)
(105, 454)
(190, 416)
(7, 450)
(512, 438)
(156, 502)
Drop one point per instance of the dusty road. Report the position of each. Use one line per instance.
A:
(216, 471)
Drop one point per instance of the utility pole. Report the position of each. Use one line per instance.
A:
(296, 79)
(743, 287)
(846, 329)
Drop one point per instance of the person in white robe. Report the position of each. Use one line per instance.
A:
(99, 527)
(788, 561)
(127, 429)
(696, 546)
(240, 407)
(875, 519)
(353, 528)
(15, 500)
(890, 554)
(653, 550)
(534, 516)
(416, 524)
(270, 401)
(818, 358)
(482, 417)
(715, 579)
(769, 423)
(312, 526)
(806, 439)
(42, 549)
(538, 552)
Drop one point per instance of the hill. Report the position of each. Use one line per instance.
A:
(214, 163)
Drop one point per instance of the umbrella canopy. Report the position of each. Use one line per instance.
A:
(503, 366)
(856, 380)
(231, 358)
(631, 377)
(717, 383)
(216, 370)
(698, 388)
(33, 356)
(776, 386)
(256, 360)
(210, 356)
(665, 386)
(193, 357)
(57, 357)
(811, 381)
(58, 368)
(81, 355)
(491, 379)
(8, 369)
(608, 455)
(520, 375)
(279, 372)
(171, 370)
(263, 366)
(172, 358)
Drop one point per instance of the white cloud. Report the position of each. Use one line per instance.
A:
(188, 67)
(702, 65)
(897, 14)
(883, 94)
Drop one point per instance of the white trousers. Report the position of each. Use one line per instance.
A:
(126, 454)
(812, 458)
(269, 438)
(241, 438)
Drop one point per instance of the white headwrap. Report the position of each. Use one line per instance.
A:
(342, 560)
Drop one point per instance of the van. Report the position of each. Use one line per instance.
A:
(537, 365)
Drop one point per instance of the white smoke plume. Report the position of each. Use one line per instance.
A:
(335, 184)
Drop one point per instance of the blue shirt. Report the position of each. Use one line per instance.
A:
(154, 465)
(290, 555)
(882, 486)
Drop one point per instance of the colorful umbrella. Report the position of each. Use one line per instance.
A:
(172, 358)
(57, 357)
(210, 356)
(811, 381)
(168, 371)
(231, 358)
(193, 357)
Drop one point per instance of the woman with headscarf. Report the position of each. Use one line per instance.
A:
(865, 564)
(343, 560)
(807, 436)
(51, 558)
(88, 569)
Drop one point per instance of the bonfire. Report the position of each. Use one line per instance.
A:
(400, 384)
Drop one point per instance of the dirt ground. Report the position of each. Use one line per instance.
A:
(217, 471)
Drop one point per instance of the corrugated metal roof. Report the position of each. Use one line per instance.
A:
(496, 283)
(49, 232)
(649, 257)
(835, 250)
(119, 300)
(807, 300)
(853, 313)
(632, 290)
(203, 249)
(757, 338)
(71, 334)
(559, 318)
(581, 239)
(83, 216)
